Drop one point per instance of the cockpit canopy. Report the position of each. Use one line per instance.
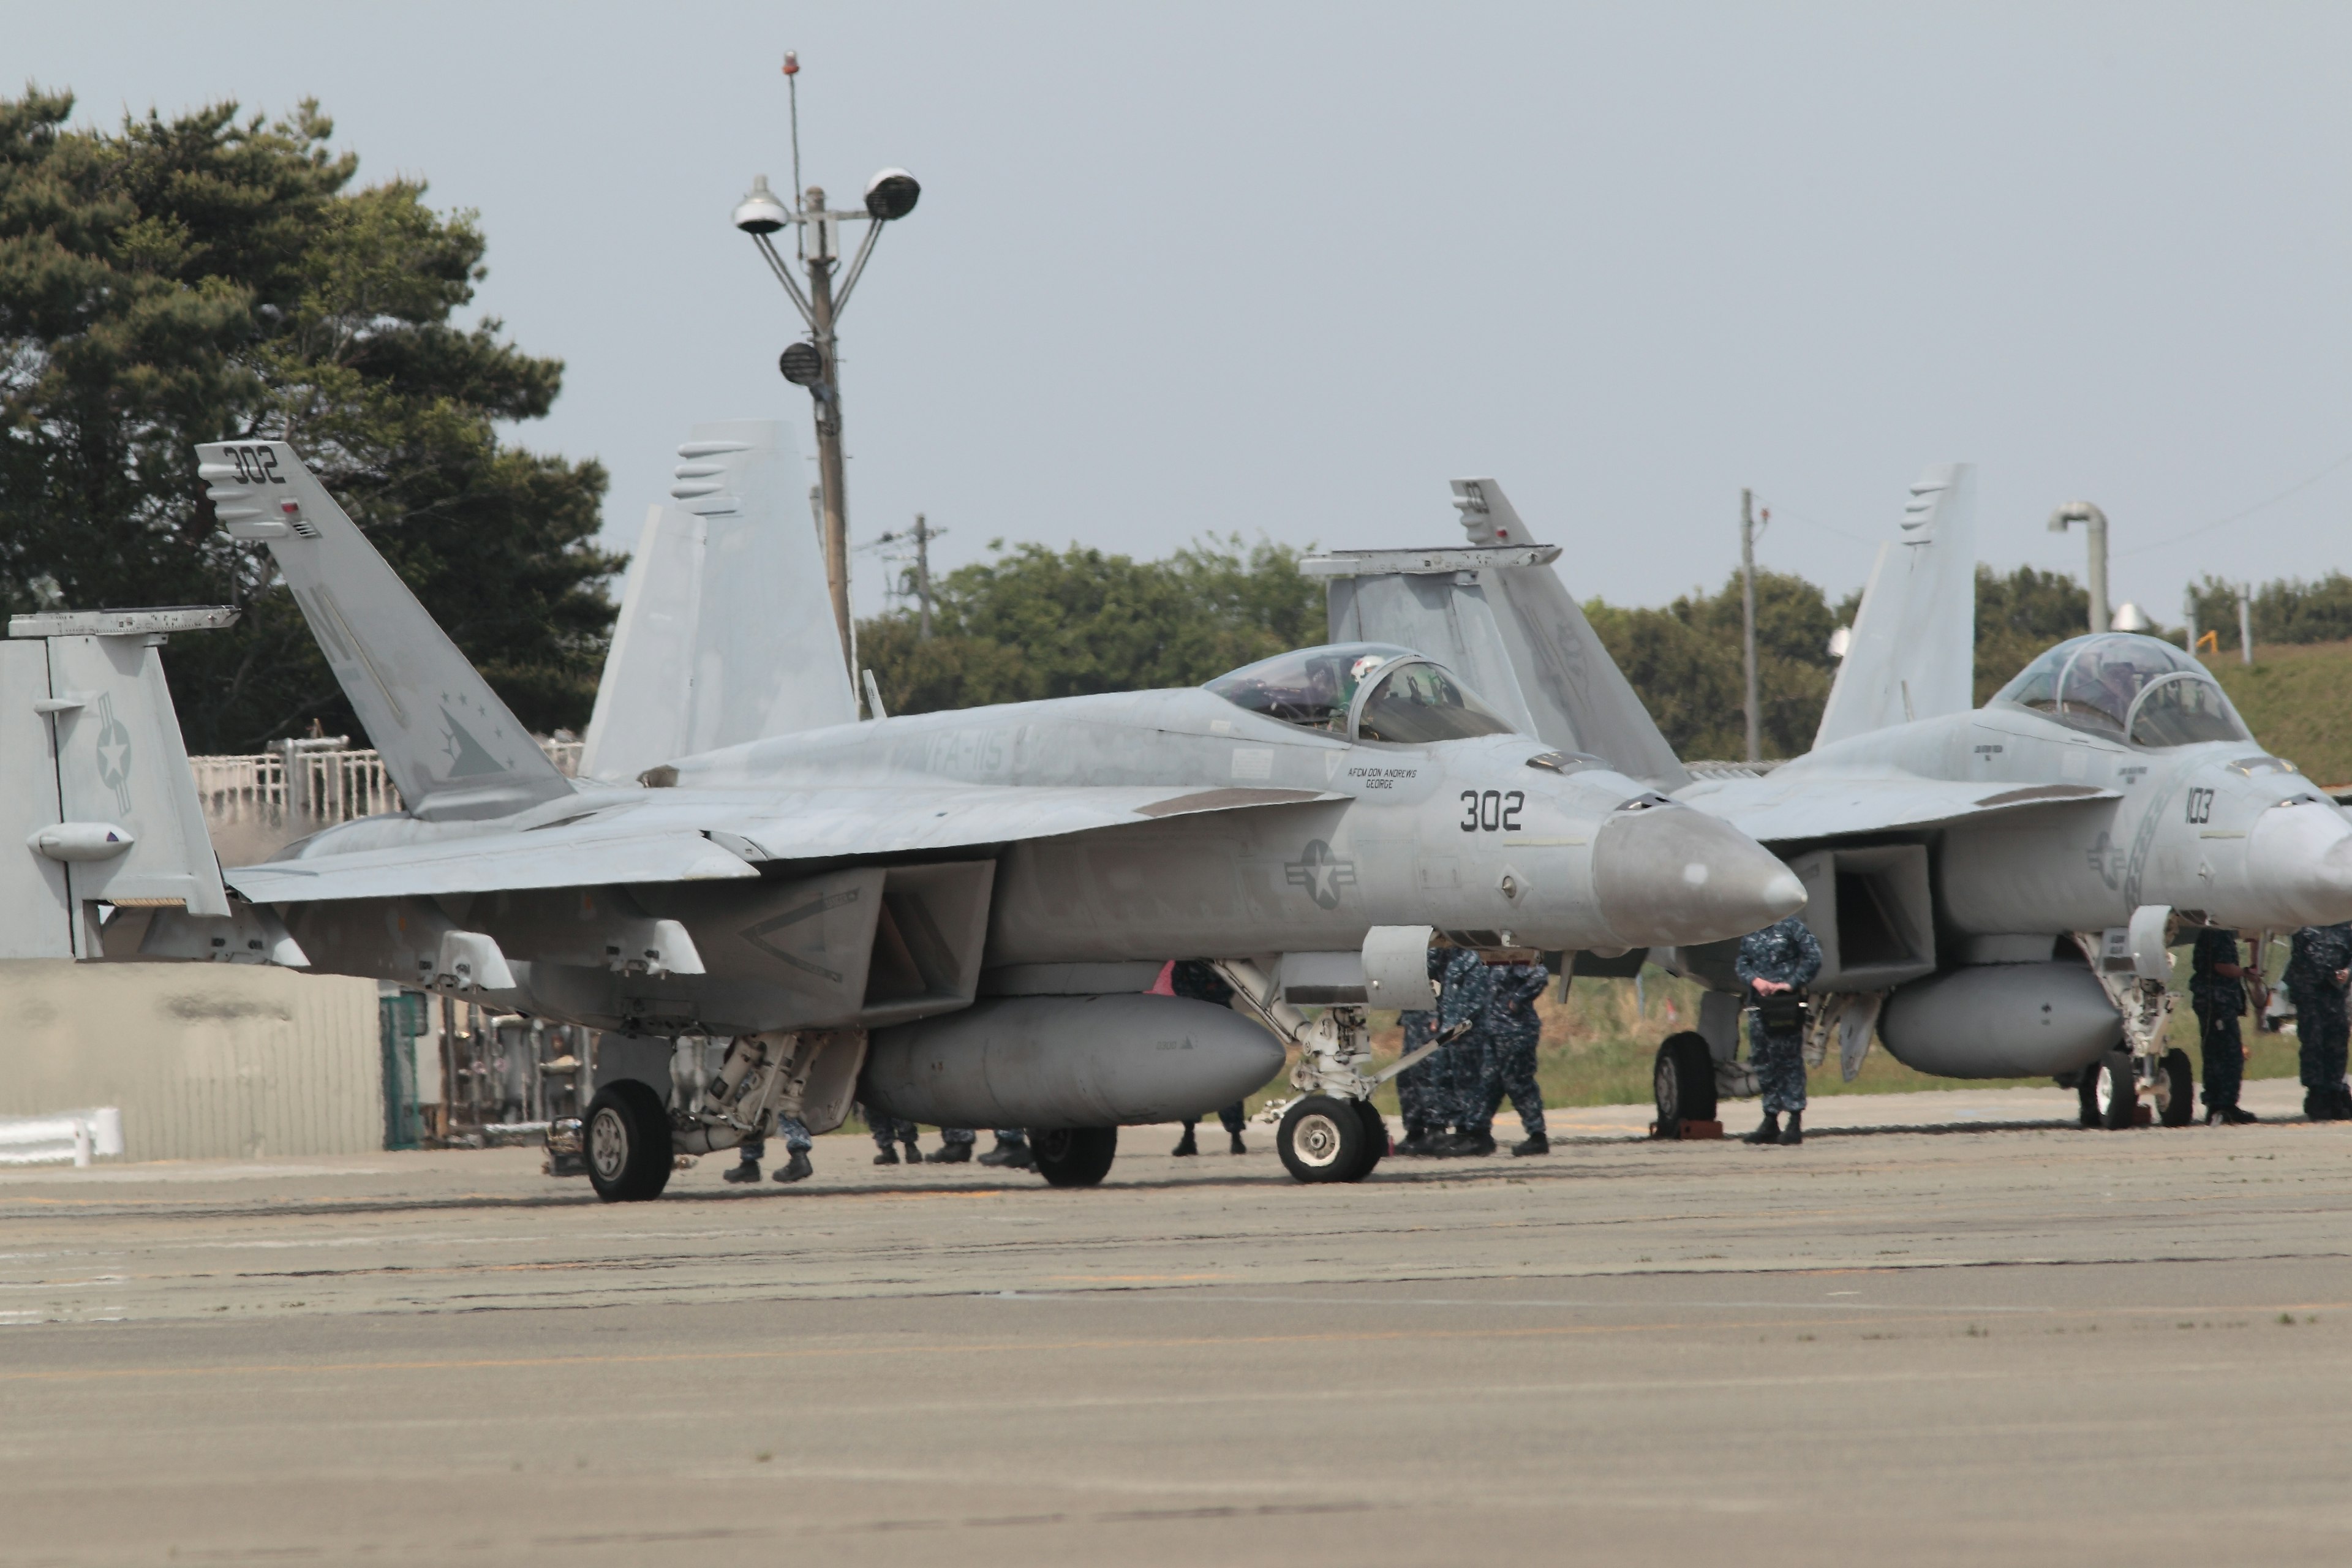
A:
(2128, 687)
(1364, 690)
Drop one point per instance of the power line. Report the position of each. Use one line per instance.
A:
(2294, 490)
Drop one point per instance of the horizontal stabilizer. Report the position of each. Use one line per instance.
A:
(451, 746)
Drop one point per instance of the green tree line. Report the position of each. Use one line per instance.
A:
(1030, 622)
(214, 277)
(2288, 610)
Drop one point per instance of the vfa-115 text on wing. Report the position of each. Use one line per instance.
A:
(952, 916)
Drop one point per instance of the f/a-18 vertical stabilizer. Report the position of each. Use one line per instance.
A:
(1497, 614)
(725, 632)
(451, 746)
(1912, 654)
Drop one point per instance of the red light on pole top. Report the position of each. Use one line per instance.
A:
(791, 62)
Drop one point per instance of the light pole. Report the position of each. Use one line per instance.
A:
(2095, 524)
(813, 363)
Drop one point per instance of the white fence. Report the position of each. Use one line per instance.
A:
(315, 785)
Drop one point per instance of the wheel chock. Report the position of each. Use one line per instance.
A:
(1687, 1130)
(2143, 1116)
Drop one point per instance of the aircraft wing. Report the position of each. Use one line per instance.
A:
(1790, 804)
(662, 835)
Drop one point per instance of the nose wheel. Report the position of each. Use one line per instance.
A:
(1326, 1139)
(624, 1138)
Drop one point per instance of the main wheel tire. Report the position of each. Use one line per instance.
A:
(2086, 1097)
(1682, 1081)
(2112, 1096)
(1074, 1156)
(2179, 1088)
(626, 1138)
(1323, 1139)
(1375, 1137)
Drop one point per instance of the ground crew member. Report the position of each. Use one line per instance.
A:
(1775, 965)
(1421, 1093)
(1463, 995)
(2316, 973)
(1197, 979)
(1511, 1029)
(1428, 1093)
(2217, 989)
(797, 1143)
(888, 1133)
(1012, 1148)
(955, 1144)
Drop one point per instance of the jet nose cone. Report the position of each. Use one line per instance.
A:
(1673, 876)
(2299, 864)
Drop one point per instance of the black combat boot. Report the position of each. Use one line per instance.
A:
(2229, 1116)
(950, 1154)
(1185, 1146)
(1011, 1152)
(889, 1155)
(1770, 1132)
(2344, 1102)
(1536, 1144)
(1466, 1146)
(1237, 1146)
(743, 1171)
(1795, 1131)
(914, 1152)
(1413, 1145)
(797, 1168)
(2318, 1105)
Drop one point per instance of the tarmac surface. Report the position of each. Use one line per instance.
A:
(2002, 1339)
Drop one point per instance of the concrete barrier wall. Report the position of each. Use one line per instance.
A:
(206, 1060)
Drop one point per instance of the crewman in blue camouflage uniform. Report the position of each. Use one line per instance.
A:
(1510, 1029)
(797, 1143)
(1782, 958)
(2316, 973)
(1198, 980)
(1420, 1093)
(888, 1133)
(1431, 1095)
(2217, 990)
(1464, 992)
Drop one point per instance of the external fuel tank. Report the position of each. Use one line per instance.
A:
(1067, 1061)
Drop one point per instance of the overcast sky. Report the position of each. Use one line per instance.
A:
(1284, 269)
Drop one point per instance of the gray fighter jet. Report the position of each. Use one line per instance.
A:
(954, 917)
(1995, 892)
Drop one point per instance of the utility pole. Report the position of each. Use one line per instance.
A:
(920, 535)
(2246, 623)
(814, 362)
(1748, 620)
(2095, 526)
(923, 577)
